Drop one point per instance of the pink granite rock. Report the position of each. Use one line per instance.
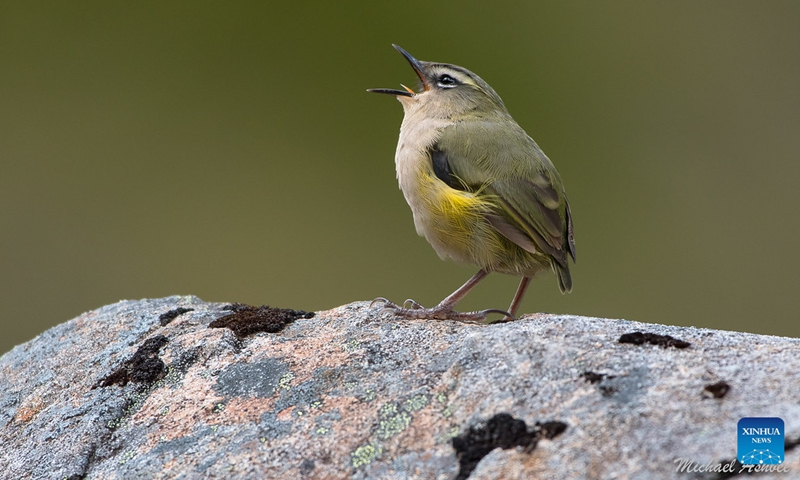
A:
(180, 388)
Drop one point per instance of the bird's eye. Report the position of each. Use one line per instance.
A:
(446, 81)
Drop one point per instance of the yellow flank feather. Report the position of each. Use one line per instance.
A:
(453, 209)
(455, 223)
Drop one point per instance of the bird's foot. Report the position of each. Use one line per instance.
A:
(440, 312)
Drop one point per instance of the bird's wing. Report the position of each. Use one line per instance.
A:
(499, 160)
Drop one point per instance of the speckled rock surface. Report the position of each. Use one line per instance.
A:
(146, 389)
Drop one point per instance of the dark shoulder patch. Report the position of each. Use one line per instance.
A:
(442, 169)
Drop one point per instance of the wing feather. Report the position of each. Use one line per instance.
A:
(501, 161)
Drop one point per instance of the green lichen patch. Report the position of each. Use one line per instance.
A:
(447, 436)
(365, 455)
(369, 395)
(351, 346)
(285, 382)
(392, 421)
(417, 402)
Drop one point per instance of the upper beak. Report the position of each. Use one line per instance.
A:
(417, 66)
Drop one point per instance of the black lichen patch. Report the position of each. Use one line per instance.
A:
(165, 318)
(143, 367)
(790, 444)
(606, 389)
(716, 390)
(593, 377)
(246, 320)
(551, 430)
(663, 341)
(503, 431)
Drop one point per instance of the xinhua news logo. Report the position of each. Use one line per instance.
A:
(760, 441)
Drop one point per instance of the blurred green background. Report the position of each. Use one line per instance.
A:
(229, 150)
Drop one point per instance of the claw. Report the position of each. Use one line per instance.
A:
(412, 304)
(379, 299)
(507, 317)
(387, 305)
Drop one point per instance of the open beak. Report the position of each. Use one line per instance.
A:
(407, 92)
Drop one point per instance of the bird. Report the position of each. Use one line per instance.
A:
(480, 189)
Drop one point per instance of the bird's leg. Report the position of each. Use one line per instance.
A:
(444, 311)
(517, 300)
(451, 300)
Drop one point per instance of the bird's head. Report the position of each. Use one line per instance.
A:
(446, 91)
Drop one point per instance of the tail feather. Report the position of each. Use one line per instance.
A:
(564, 278)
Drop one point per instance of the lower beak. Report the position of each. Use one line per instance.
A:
(398, 93)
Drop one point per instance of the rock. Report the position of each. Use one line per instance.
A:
(150, 389)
